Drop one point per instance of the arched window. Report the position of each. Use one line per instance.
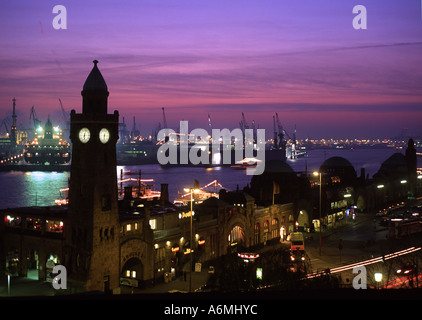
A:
(236, 235)
(257, 233)
(274, 228)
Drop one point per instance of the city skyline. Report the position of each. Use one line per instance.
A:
(304, 61)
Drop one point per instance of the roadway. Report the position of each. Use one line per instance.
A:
(362, 242)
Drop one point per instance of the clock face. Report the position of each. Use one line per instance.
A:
(84, 135)
(104, 135)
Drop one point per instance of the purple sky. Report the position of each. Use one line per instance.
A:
(302, 59)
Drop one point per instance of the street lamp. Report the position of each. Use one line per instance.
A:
(378, 278)
(316, 173)
(192, 191)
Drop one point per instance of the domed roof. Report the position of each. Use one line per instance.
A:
(95, 80)
(335, 162)
(277, 166)
(339, 166)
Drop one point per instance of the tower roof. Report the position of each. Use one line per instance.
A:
(95, 80)
(278, 166)
(337, 162)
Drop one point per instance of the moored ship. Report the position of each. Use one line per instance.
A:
(48, 147)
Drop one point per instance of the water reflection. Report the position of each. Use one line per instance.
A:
(20, 189)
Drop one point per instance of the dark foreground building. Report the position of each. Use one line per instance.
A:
(86, 236)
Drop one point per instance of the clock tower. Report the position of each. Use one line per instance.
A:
(92, 233)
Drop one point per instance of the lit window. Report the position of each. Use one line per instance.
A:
(153, 224)
(133, 274)
(54, 226)
(128, 227)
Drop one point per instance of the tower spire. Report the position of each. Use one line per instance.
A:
(95, 92)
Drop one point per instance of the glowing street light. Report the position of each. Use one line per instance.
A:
(378, 278)
(316, 173)
(192, 191)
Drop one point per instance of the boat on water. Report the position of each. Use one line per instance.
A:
(139, 188)
(205, 192)
(48, 147)
(136, 152)
(246, 163)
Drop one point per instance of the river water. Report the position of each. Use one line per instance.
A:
(20, 189)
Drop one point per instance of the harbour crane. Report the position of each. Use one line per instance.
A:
(210, 125)
(243, 124)
(281, 133)
(209, 122)
(6, 125)
(65, 116)
(34, 118)
(164, 119)
(135, 132)
(166, 132)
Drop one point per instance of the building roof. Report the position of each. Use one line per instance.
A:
(339, 166)
(95, 80)
(213, 202)
(278, 166)
(337, 162)
(395, 164)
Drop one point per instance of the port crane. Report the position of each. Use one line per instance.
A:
(244, 125)
(281, 134)
(164, 119)
(65, 116)
(34, 118)
(6, 125)
(123, 132)
(294, 142)
(135, 132)
(166, 133)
